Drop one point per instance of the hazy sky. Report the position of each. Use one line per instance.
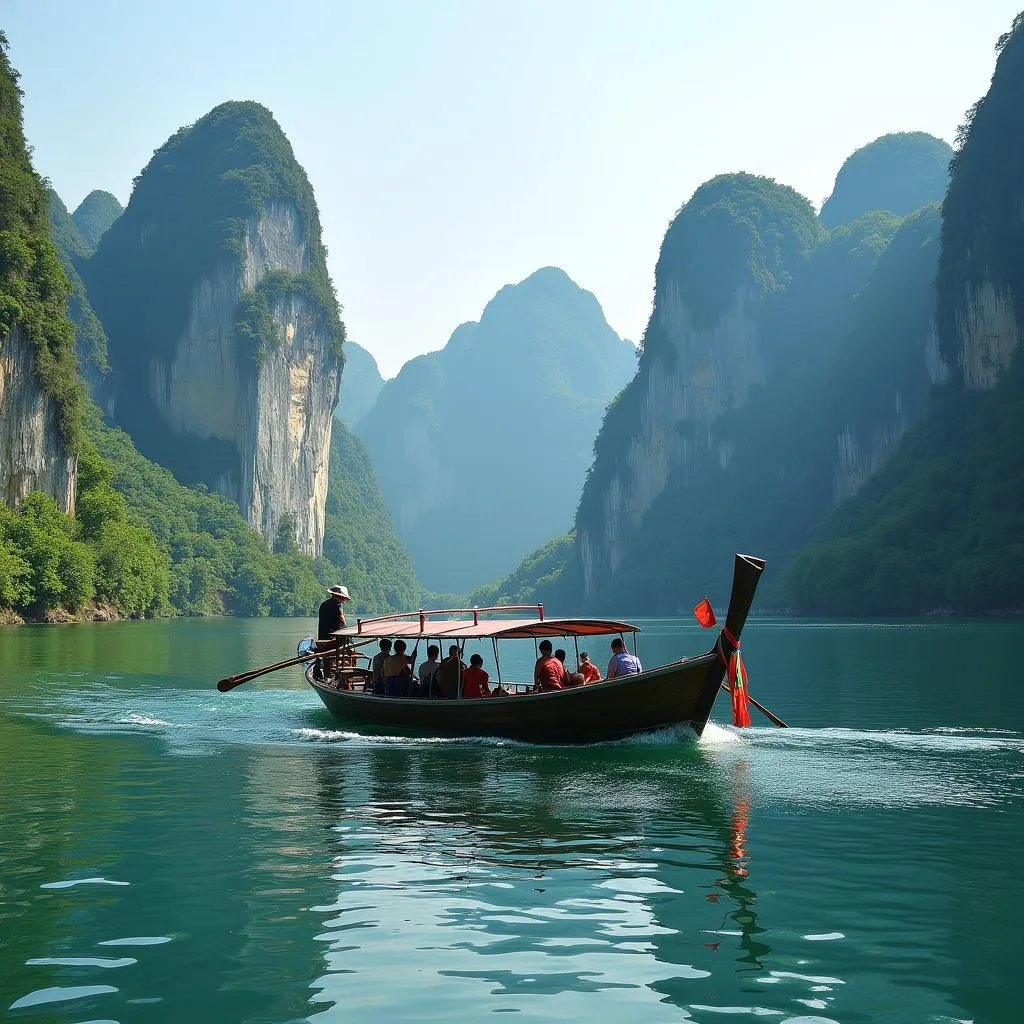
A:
(458, 145)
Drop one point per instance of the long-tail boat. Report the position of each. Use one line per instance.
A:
(682, 692)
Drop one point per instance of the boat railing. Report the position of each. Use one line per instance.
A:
(425, 614)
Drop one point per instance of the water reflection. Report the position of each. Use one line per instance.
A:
(522, 874)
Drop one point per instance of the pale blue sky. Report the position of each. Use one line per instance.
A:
(456, 146)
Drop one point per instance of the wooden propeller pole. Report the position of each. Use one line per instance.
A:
(230, 682)
(773, 718)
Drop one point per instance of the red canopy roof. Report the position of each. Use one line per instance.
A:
(467, 629)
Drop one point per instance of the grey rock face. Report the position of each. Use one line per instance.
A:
(277, 415)
(33, 456)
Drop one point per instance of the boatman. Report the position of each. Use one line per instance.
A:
(331, 617)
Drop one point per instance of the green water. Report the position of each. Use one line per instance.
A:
(171, 854)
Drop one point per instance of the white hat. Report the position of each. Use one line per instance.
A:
(339, 591)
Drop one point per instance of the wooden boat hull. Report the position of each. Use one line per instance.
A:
(680, 693)
(671, 695)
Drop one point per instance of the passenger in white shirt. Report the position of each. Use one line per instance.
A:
(427, 671)
(623, 663)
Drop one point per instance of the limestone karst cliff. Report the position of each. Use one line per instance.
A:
(481, 448)
(224, 331)
(781, 367)
(39, 393)
(898, 173)
(941, 526)
(981, 277)
(739, 240)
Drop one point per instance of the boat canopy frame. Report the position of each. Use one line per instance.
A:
(419, 625)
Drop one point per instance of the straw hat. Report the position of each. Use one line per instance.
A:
(339, 591)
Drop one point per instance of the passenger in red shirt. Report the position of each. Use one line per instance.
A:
(474, 679)
(590, 672)
(548, 672)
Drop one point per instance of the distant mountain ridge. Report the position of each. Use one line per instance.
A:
(361, 383)
(481, 448)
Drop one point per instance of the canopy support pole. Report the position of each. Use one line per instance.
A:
(497, 662)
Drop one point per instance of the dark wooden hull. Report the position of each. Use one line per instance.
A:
(680, 693)
(671, 695)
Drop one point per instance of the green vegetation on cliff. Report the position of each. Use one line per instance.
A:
(941, 525)
(778, 407)
(188, 213)
(191, 216)
(982, 226)
(738, 231)
(95, 213)
(899, 173)
(50, 560)
(217, 562)
(541, 576)
(33, 285)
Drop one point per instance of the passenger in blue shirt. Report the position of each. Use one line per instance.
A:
(623, 663)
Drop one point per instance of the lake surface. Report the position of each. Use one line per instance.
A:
(172, 854)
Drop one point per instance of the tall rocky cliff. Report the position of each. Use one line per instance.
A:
(780, 369)
(941, 525)
(739, 240)
(481, 448)
(224, 331)
(39, 392)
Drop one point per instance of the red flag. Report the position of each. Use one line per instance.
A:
(705, 614)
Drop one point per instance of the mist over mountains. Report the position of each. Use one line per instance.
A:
(482, 448)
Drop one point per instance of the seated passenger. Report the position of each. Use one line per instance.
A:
(397, 674)
(548, 671)
(377, 668)
(474, 679)
(428, 670)
(623, 663)
(446, 679)
(571, 678)
(590, 672)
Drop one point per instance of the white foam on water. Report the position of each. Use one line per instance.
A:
(134, 718)
(719, 736)
(825, 937)
(68, 883)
